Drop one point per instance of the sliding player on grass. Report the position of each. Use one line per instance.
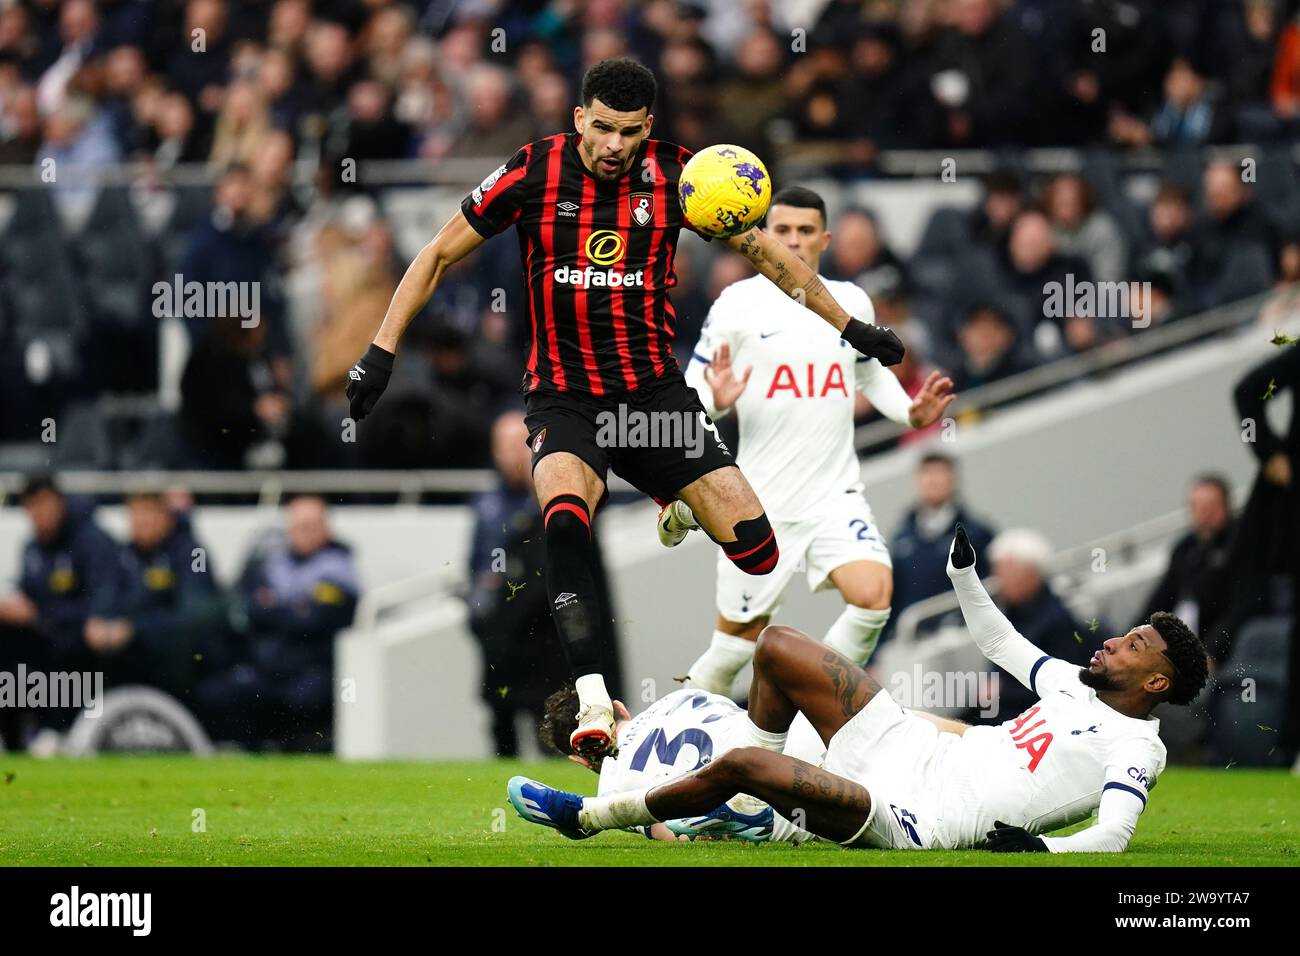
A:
(794, 401)
(676, 734)
(895, 780)
(680, 732)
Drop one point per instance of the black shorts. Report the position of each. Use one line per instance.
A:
(658, 438)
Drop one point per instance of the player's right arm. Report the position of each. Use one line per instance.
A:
(796, 279)
(454, 242)
(369, 377)
(1131, 773)
(996, 638)
(490, 208)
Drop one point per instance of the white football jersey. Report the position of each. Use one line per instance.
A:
(1050, 766)
(796, 413)
(678, 733)
(683, 731)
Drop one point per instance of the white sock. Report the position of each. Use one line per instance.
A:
(758, 737)
(783, 831)
(855, 632)
(615, 812)
(591, 690)
(717, 667)
(683, 516)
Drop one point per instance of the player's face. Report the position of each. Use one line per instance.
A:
(1133, 660)
(610, 138)
(800, 230)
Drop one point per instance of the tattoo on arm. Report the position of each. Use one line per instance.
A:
(801, 784)
(814, 287)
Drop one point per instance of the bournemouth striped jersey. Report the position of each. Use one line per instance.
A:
(598, 260)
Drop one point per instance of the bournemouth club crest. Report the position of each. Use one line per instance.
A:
(537, 442)
(642, 206)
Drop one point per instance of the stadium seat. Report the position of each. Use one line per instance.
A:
(1277, 190)
(84, 440)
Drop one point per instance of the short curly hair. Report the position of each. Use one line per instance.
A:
(621, 83)
(1188, 655)
(559, 719)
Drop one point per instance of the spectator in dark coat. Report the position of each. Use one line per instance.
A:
(172, 607)
(64, 614)
(989, 350)
(1168, 246)
(990, 223)
(859, 255)
(1192, 113)
(1265, 552)
(201, 71)
(873, 95)
(1197, 585)
(1233, 244)
(1093, 82)
(231, 248)
(236, 409)
(919, 547)
(1034, 265)
(981, 79)
(1246, 40)
(297, 597)
(1019, 559)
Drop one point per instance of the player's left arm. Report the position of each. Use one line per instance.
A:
(994, 634)
(1131, 775)
(792, 276)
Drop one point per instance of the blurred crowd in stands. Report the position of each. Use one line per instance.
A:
(260, 91)
(207, 80)
(253, 662)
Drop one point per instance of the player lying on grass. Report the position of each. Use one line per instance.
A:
(896, 780)
(678, 733)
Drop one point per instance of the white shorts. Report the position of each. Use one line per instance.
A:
(845, 530)
(898, 757)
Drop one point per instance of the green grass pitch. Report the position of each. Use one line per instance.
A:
(318, 811)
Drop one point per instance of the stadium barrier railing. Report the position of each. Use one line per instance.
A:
(269, 487)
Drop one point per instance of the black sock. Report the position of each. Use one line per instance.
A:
(571, 562)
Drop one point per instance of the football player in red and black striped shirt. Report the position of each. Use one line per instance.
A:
(597, 216)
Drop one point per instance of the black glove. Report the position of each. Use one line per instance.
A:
(874, 341)
(1008, 839)
(367, 381)
(963, 555)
